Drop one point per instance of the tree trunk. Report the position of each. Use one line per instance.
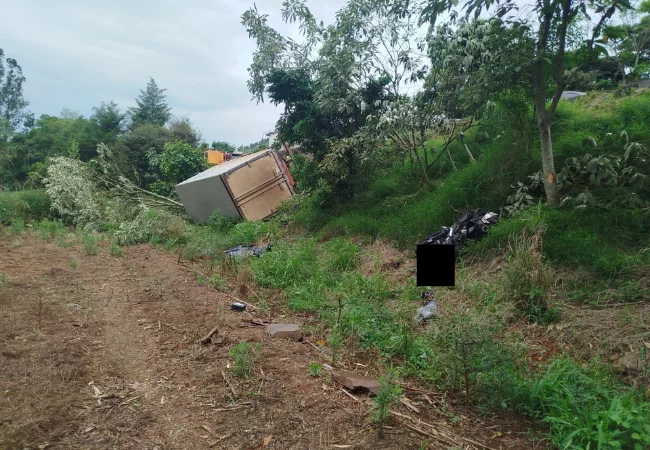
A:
(423, 169)
(548, 167)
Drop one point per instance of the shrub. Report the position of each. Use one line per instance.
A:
(586, 407)
(389, 393)
(89, 241)
(30, 205)
(17, 226)
(115, 250)
(47, 229)
(468, 356)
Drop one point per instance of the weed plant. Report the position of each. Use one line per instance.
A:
(244, 355)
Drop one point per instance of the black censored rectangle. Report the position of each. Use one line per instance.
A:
(436, 265)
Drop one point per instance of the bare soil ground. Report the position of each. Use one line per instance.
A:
(103, 353)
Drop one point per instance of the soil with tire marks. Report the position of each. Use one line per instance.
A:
(102, 352)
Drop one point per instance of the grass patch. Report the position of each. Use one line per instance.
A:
(586, 407)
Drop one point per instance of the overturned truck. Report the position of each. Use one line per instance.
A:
(250, 187)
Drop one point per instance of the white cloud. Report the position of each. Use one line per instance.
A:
(76, 54)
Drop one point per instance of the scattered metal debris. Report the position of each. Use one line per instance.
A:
(242, 251)
(472, 225)
(429, 309)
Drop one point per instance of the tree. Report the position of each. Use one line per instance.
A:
(180, 161)
(13, 105)
(183, 130)
(109, 119)
(27, 154)
(223, 146)
(139, 146)
(324, 80)
(152, 106)
(629, 42)
(546, 60)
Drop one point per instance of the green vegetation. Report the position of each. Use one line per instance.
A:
(244, 355)
(389, 393)
(115, 250)
(486, 130)
(89, 241)
(3, 280)
(315, 369)
(586, 407)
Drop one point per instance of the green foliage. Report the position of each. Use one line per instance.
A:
(218, 282)
(115, 250)
(47, 229)
(89, 240)
(315, 369)
(244, 355)
(180, 161)
(341, 255)
(182, 130)
(222, 224)
(13, 113)
(468, 356)
(528, 277)
(151, 106)
(17, 227)
(389, 393)
(223, 146)
(3, 281)
(586, 407)
(29, 205)
(74, 264)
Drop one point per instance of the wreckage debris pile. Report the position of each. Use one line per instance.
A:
(242, 251)
(472, 225)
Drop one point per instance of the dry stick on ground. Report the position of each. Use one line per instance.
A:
(232, 389)
(406, 402)
(208, 337)
(225, 436)
(350, 395)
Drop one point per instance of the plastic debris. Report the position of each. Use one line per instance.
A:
(242, 251)
(429, 310)
(239, 307)
(472, 225)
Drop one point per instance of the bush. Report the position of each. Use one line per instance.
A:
(468, 356)
(30, 205)
(586, 407)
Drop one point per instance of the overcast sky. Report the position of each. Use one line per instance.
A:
(78, 53)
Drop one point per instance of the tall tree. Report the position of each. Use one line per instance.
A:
(13, 105)
(183, 130)
(152, 106)
(109, 119)
(223, 146)
(547, 59)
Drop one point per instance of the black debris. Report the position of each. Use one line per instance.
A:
(239, 307)
(472, 225)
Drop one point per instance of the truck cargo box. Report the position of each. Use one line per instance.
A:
(250, 187)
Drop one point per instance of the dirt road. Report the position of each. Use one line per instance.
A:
(102, 352)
